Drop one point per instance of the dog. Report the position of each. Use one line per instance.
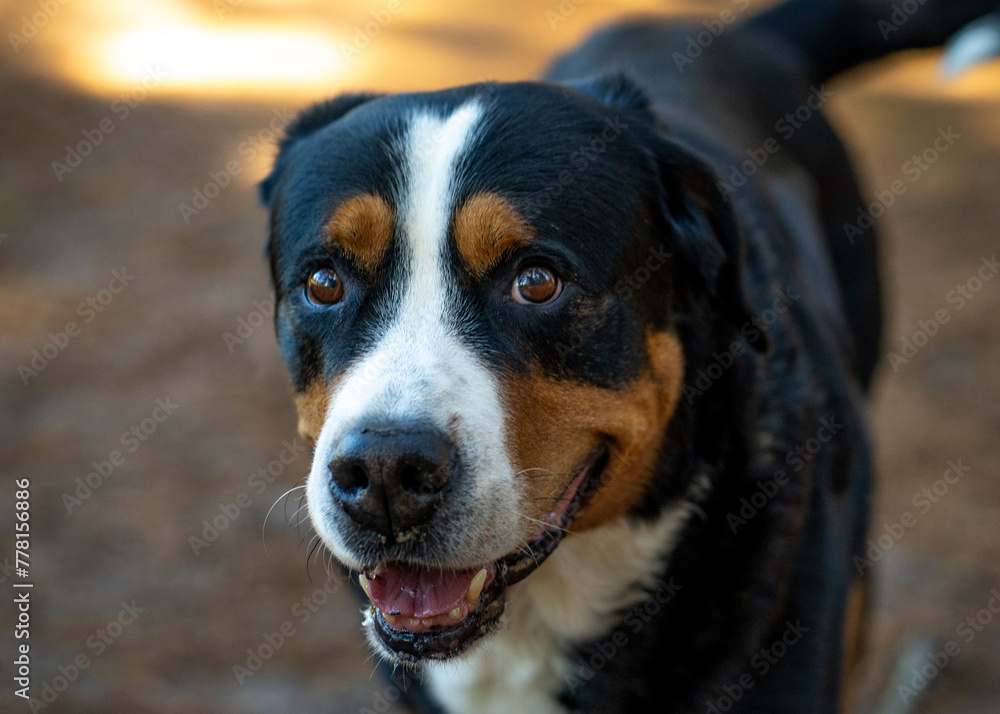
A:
(584, 363)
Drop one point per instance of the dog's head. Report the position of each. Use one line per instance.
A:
(478, 294)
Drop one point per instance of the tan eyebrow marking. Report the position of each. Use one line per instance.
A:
(486, 227)
(362, 226)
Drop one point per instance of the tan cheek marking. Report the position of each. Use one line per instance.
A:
(487, 227)
(555, 425)
(312, 405)
(362, 226)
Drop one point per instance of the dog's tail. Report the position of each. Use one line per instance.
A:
(836, 35)
(977, 43)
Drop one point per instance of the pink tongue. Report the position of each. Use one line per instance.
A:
(419, 592)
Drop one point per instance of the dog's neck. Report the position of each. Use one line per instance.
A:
(575, 597)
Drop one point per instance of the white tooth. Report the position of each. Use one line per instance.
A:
(363, 581)
(456, 614)
(425, 623)
(476, 587)
(414, 622)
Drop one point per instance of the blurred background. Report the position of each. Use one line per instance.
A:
(142, 393)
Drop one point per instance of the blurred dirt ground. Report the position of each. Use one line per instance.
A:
(188, 330)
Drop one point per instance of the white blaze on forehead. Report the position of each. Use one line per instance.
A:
(434, 146)
(409, 368)
(419, 369)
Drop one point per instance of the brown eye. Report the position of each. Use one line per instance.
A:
(535, 285)
(325, 287)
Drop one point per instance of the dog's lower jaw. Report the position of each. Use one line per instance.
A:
(574, 597)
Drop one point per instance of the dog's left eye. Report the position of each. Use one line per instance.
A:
(324, 287)
(536, 285)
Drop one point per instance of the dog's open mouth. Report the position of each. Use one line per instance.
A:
(421, 612)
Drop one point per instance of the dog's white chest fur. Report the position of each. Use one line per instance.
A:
(574, 597)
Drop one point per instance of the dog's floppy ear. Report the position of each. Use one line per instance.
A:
(706, 231)
(308, 122)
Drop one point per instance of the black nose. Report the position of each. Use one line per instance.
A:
(391, 479)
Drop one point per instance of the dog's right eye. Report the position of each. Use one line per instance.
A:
(324, 287)
(536, 285)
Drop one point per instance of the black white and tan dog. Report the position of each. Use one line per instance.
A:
(585, 361)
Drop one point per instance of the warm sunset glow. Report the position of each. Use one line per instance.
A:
(194, 57)
(312, 48)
